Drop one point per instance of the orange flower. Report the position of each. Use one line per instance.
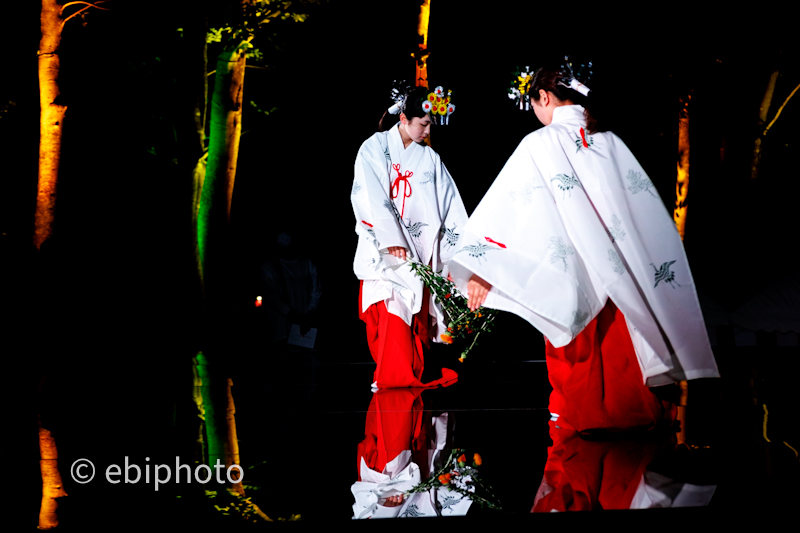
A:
(477, 459)
(460, 359)
(444, 479)
(462, 458)
(447, 338)
(449, 329)
(447, 295)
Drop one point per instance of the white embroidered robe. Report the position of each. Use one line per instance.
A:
(572, 220)
(425, 217)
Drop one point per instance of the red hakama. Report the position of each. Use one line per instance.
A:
(597, 382)
(397, 348)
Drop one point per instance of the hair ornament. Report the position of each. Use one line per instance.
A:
(519, 91)
(400, 90)
(438, 105)
(574, 78)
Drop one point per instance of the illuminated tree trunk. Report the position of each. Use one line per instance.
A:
(682, 184)
(212, 228)
(215, 428)
(223, 152)
(421, 78)
(232, 443)
(51, 120)
(52, 486)
(762, 119)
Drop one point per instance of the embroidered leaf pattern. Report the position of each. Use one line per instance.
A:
(477, 250)
(415, 229)
(619, 268)
(526, 193)
(639, 182)
(388, 204)
(559, 251)
(448, 502)
(386, 154)
(566, 183)
(579, 320)
(431, 175)
(579, 142)
(356, 188)
(615, 231)
(399, 289)
(412, 511)
(663, 273)
(450, 236)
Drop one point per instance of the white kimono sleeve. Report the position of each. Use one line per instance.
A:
(516, 241)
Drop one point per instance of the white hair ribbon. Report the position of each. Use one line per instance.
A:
(578, 86)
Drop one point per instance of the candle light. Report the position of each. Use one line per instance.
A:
(258, 301)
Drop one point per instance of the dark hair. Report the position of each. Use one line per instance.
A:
(414, 99)
(548, 78)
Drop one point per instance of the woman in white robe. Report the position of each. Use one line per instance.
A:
(573, 237)
(407, 208)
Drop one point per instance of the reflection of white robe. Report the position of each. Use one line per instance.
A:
(425, 218)
(400, 475)
(572, 220)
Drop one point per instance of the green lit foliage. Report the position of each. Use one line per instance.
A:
(240, 24)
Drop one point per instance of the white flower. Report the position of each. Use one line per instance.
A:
(427, 106)
(450, 108)
(439, 91)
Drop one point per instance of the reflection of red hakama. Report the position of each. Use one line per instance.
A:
(582, 475)
(394, 423)
(397, 348)
(597, 382)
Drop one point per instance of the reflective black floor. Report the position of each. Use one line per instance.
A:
(301, 417)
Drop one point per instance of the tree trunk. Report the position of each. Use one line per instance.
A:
(51, 121)
(223, 152)
(215, 425)
(682, 184)
(232, 442)
(421, 79)
(52, 486)
(212, 233)
(763, 112)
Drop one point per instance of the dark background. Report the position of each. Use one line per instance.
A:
(112, 320)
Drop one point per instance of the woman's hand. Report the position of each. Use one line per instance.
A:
(393, 501)
(477, 289)
(398, 251)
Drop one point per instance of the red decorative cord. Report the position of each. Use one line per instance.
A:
(583, 138)
(395, 191)
(367, 223)
(500, 244)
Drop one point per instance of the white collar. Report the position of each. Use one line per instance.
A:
(569, 114)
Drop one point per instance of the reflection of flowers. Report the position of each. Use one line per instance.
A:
(459, 477)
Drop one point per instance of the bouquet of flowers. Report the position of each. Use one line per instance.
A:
(461, 322)
(518, 91)
(456, 475)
